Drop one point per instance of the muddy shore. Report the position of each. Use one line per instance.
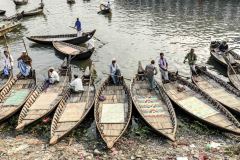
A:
(194, 141)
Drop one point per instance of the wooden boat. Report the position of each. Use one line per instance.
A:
(154, 107)
(104, 9)
(4, 80)
(234, 57)
(199, 104)
(70, 1)
(233, 72)
(33, 12)
(23, 14)
(20, 2)
(76, 52)
(72, 110)
(112, 115)
(68, 38)
(2, 12)
(8, 27)
(218, 89)
(44, 99)
(15, 94)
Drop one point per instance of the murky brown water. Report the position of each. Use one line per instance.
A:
(137, 30)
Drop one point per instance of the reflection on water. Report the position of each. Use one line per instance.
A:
(137, 30)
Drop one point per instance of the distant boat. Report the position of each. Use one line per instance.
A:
(8, 27)
(20, 2)
(2, 12)
(70, 1)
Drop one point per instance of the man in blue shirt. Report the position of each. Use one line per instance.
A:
(78, 26)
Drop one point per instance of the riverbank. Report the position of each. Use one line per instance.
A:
(194, 141)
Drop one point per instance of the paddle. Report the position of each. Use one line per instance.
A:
(116, 76)
(89, 83)
(93, 36)
(24, 45)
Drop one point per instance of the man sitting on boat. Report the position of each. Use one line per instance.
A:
(24, 64)
(76, 85)
(78, 26)
(115, 71)
(223, 47)
(150, 71)
(53, 76)
(7, 62)
(192, 58)
(163, 66)
(108, 6)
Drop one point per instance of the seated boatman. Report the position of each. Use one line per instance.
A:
(53, 76)
(115, 71)
(76, 85)
(223, 47)
(108, 6)
(24, 64)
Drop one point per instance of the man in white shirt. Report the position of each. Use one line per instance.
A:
(115, 71)
(76, 85)
(53, 76)
(7, 62)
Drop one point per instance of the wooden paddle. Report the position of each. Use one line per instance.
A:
(89, 84)
(116, 76)
(24, 45)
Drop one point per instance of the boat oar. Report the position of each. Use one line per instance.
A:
(90, 80)
(116, 76)
(25, 45)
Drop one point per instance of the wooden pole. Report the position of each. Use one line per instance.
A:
(25, 46)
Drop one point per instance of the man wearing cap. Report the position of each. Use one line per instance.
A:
(163, 66)
(7, 62)
(78, 26)
(24, 64)
(53, 76)
(76, 85)
(115, 71)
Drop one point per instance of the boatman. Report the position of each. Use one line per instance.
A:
(78, 27)
(7, 63)
(192, 58)
(76, 85)
(115, 71)
(150, 71)
(163, 67)
(53, 76)
(24, 64)
(108, 6)
(223, 47)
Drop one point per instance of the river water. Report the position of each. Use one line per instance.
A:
(137, 30)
